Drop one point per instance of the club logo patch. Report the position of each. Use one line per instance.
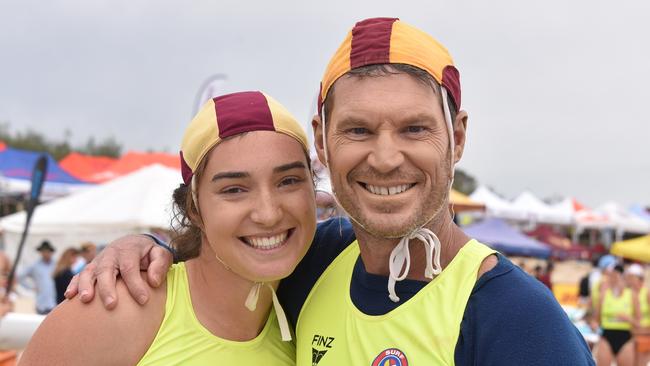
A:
(391, 357)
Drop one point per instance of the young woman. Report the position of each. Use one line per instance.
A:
(617, 311)
(246, 213)
(635, 275)
(63, 272)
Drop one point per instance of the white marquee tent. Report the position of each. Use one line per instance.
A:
(135, 203)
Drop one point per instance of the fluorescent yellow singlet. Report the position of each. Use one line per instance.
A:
(644, 307)
(422, 331)
(613, 306)
(182, 340)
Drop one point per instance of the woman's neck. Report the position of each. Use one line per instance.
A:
(218, 296)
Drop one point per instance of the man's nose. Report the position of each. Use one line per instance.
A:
(386, 154)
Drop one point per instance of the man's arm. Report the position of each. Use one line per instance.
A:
(126, 257)
(513, 319)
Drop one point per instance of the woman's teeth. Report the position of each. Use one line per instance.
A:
(386, 191)
(267, 242)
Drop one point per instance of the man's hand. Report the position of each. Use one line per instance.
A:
(126, 257)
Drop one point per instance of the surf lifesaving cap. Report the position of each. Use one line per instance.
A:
(229, 115)
(391, 41)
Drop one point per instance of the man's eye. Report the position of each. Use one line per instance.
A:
(358, 131)
(415, 129)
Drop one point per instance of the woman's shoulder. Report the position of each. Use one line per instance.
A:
(75, 333)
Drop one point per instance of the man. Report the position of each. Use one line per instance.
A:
(412, 288)
(40, 273)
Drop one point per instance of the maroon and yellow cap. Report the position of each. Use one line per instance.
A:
(391, 41)
(229, 115)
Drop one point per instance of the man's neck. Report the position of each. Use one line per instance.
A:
(375, 251)
(218, 297)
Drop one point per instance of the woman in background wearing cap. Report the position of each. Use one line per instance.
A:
(246, 216)
(616, 310)
(634, 275)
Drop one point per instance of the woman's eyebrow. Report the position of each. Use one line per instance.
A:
(289, 166)
(229, 175)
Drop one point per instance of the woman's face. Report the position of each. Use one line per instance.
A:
(256, 201)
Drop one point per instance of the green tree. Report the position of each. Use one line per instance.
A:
(36, 141)
(464, 182)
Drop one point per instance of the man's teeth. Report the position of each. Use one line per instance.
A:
(267, 242)
(385, 191)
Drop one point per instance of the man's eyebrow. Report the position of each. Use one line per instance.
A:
(289, 166)
(229, 175)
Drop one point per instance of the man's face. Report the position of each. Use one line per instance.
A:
(388, 149)
(46, 255)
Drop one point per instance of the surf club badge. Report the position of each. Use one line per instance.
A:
(391, 357)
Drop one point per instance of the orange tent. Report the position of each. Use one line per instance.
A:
(133, 161)
(85, 166)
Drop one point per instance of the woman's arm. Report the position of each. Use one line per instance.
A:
(87, 334)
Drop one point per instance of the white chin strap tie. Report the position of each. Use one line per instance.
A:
(251, 304)
(401, 258)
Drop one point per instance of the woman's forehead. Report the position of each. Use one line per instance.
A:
(255, 150)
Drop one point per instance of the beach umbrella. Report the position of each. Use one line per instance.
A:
(636, 249)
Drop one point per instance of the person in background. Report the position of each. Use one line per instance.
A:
(88, 252)
(40, 273)
(616, 312)
(63, 272)
(544, 276)
(7, 357)
(634, 276)
(598, 278)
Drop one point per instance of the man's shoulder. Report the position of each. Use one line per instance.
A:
(511, 318)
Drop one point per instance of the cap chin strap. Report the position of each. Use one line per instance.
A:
(253, 296)
(400, 256)
(251, 304)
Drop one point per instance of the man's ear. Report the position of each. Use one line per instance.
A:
(317, 126)
(460, 134)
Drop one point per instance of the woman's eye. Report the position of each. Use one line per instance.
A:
(232, 190)
(290, 181)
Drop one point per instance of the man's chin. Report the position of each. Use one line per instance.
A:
(388, 226)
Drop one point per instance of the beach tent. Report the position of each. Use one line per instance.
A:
(623, 220)
(538, 211)
(16, 168)
(637, 249)
(134, 203)
(506, 239)
(461, 202)
(133, 161)
(561, 246)
(84, 167)
(640, 211)
(497, 206)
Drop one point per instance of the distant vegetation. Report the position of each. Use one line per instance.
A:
(464, 182)
(36, 141)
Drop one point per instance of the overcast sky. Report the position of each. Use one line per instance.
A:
(557, 91)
